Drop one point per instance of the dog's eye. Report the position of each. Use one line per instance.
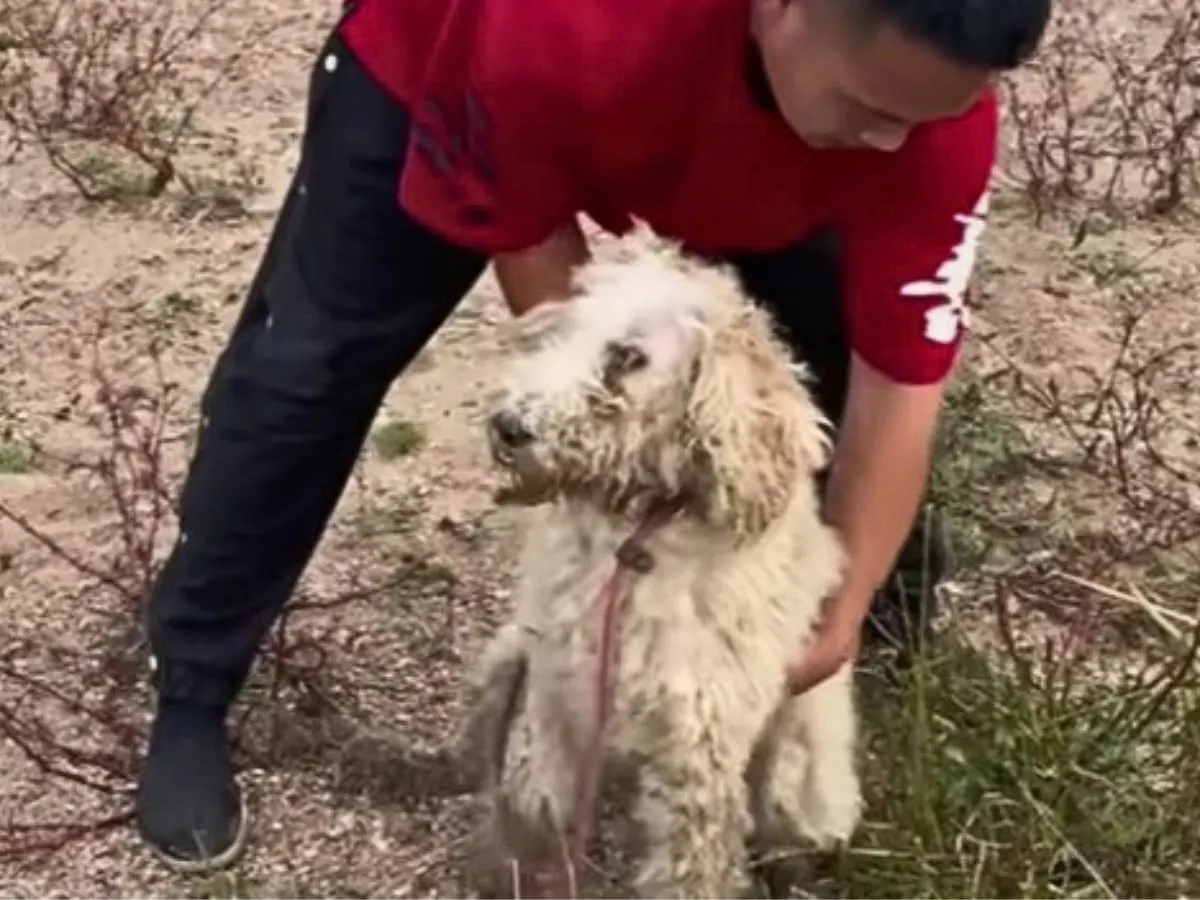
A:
(625, 358)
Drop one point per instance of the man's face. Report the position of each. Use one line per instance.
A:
(843, 82)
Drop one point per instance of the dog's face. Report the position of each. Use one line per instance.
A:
(657, 381)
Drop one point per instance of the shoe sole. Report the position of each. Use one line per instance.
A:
(222, 860)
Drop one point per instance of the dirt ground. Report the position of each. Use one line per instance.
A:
(369, 811)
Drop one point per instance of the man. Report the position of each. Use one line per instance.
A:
(836, 152)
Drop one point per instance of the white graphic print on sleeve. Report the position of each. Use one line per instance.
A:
(943, 322)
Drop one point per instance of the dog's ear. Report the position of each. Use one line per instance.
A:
(755, 433)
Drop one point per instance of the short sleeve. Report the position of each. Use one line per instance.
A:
(910, 250)
(490, 164)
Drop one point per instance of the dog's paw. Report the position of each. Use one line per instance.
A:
(830, 808)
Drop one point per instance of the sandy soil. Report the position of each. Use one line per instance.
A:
(363, 808)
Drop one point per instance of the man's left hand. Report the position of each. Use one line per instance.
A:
(835, 644)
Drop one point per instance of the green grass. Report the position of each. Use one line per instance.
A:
(990, 783)
(234, 886)
(222, 886)
(397, 439)
(1009, 777)
(15, 460)
(977, 452)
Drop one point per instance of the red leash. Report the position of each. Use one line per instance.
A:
(632, 560)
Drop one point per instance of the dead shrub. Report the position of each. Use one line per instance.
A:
(1108, 113)
(108, 92)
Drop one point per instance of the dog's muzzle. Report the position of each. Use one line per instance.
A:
(512, 445)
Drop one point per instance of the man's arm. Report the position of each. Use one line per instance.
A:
(908, 259)
(542, 272)
(880, 467)
(879, 473)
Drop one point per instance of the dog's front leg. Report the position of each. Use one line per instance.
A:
(833, 799)
(806, 788)
(692, 807)
(522, 766)
(494, 699)
(533, 806)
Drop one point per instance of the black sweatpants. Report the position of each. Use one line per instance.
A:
(348, 291)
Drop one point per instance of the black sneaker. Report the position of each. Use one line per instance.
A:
(190, 811)
(903, 611)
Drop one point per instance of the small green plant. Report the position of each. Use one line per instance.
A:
(397, 439)
(15, 460)
(400, 516)
(173, 313)
(416, 576)
(223, 886)
(233, 886)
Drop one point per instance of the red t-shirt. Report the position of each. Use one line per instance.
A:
(528, 112)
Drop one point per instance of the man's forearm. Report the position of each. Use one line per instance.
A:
(543, 272)
(872, 500)
(879, 474)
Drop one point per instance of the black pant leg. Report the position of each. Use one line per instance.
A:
(349, 291)
(801, 287)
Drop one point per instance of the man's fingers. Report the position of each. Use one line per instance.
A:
(810, 671)
(820, 661)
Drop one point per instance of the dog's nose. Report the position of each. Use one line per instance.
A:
(509, 429)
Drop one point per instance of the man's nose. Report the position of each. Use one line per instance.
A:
(509, 429)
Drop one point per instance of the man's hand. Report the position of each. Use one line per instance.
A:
(835, 644)
(542, 272)
(878, 476)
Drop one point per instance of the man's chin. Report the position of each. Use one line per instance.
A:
(825, 142)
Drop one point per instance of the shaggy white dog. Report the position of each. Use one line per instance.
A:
(660, 383)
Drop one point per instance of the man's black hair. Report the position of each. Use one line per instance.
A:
(989, 34)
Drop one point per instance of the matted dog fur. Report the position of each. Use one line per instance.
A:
(660, 379)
